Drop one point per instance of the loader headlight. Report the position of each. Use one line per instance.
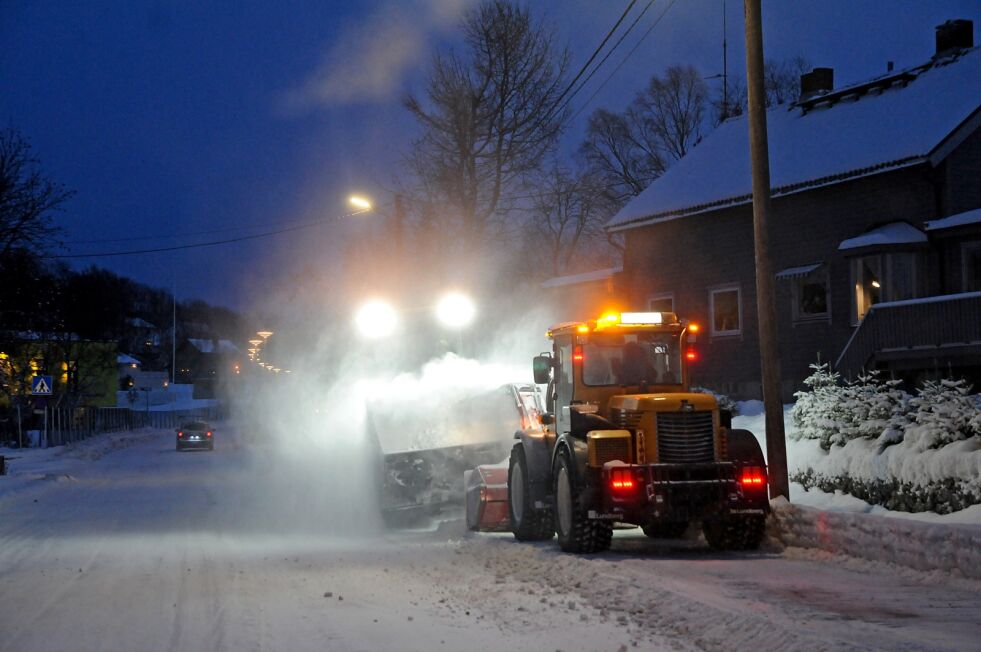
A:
(376, 319)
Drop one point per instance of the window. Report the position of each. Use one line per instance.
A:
(726, 310)
(663, 302)
(632, 359)
(971, 264)
(882, 277)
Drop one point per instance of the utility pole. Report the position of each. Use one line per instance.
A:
(766, 311)
(173, 338)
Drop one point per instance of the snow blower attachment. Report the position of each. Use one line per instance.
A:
(424, 456)
(624, 440)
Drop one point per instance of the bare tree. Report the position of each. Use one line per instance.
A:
(663, 122)
(488, 119)
(781, 85)
(568, 217)
(27, 197)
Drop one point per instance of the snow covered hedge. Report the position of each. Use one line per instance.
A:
(876, 442)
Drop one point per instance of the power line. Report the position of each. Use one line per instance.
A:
(254, 236)
(608, 54)
(555, 106)
(624, 60)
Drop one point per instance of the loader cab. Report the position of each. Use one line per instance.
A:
(619, 354)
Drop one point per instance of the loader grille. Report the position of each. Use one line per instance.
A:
(685, 437)
(607, 450)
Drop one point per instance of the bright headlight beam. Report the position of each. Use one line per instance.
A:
(455, 310)
(376, 319)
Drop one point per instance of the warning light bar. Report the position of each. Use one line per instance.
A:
(641, 318)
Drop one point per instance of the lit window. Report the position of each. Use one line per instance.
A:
(726, 310)
(882, 277)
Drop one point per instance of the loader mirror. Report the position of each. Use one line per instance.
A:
(542, 367)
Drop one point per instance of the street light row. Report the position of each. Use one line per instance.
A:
(254, 353)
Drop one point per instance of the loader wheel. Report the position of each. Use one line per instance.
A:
(527, 523)
(577, 533)
(666, 530)
(735, 533)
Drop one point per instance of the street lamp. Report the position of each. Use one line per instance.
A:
(376, 319)
(264, 334)
(359, 202)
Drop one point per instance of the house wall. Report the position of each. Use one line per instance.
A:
(691, 255)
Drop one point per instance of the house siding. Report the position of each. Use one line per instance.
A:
(691, 255)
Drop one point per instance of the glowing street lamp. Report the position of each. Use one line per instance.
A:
(359, 202)
(376, 319)
(264, 334)
(455, 310)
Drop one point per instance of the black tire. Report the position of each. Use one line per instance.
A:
(577, 533)
(735, 532)
(527, 523)
(666, 530)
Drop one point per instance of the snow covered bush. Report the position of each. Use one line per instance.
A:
(818, 412)
(868, 407)
(944, 412)
(725, 403)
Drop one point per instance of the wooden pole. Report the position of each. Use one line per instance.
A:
(776, 445)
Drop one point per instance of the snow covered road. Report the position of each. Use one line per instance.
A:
(148, 549)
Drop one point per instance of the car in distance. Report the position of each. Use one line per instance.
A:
(195, 434)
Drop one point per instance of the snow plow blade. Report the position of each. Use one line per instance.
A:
(423, 454)
(487, 498)
(429, 483)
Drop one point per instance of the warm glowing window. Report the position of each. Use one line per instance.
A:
(726, 310)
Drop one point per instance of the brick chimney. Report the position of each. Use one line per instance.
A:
(817, 82)
(954, 35)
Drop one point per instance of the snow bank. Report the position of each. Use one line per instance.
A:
(924, 546)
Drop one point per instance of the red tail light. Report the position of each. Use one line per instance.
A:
(180, 435)
(753, 476)
(577, 355)
(209, 433)
(692, 355)
(622, 480)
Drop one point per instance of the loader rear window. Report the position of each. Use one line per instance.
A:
(631, 359)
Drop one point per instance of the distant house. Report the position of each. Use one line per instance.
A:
(875, 229)
(205, 363)
(83, 372)
(582, 296)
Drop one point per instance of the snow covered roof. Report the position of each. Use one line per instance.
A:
(585, 277)
(894, 233)
(961, 219)
(894, 121)
(139, 323)
(122, 358)
(798, 272)
(208, 346)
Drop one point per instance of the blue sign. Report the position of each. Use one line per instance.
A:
(41, 385)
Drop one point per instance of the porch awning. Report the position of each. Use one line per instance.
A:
(798, 272)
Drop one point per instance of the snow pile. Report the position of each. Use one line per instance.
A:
(870, 439)
(924, 546)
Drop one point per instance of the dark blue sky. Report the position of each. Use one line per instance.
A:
(180, 117)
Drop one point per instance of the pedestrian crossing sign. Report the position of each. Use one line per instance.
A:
(41, 385)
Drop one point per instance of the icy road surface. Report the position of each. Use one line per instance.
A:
(144, 548)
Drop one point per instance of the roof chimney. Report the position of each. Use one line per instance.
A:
(954, 35)
(817, 82)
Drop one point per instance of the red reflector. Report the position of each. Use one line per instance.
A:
(692, 355)
(753, 476)
(180, 435)
(621, 480)
(209, 433)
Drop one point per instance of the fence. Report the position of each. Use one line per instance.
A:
(67, 425)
